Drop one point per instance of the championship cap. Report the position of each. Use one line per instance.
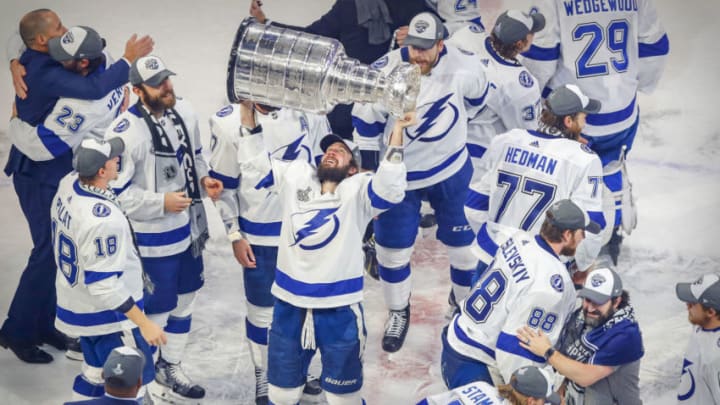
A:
(534, 382)
(351, 146)
(568, 99)
(514, 25)
(123, 367)
(564, 214)
(92, 154)
(705, 290)
(149, 70)
(601, 285)
(77, 43)
(425, 30)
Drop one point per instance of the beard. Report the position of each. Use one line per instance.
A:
(601, 319)
(160, 102)
(332, 174)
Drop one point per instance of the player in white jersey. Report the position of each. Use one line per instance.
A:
(699, 380)
(319, 275)
(610, 49)
(79, 50)
(252, 228)
(457, 14)
(528, 386)
(514, 97)
(526, 284)
(159, 185)
(529, 170)
(99, 280)
(452, 88)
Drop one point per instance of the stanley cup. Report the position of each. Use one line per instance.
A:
(287, 68)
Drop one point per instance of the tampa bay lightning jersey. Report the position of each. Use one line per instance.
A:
(288, 135)
(98, 265)
(700, 374)
(141, 186)
(513, 100)
(609, 49)
(70, 121)
(525, 285)
(529, 170)
(457, 13)
(320, 260)
(478, 392)
(434, 147)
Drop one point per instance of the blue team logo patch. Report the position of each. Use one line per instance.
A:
(68, 38)
(101, 210)
(556, 282)
(122, 126)
(597, 280)
(314, 229)
(225, 111)
(380, 63)
(152, 64)
(476, 29)
(421, 26)
(587, 149)
(436, 119)
(526, 79)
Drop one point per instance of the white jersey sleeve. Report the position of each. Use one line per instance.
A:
(543, 57)
(139, 203)
(14, 47)
(653, 47)
(457, 13)
(224, 164)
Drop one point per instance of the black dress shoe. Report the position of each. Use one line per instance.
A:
(56, 339)
(28, 354)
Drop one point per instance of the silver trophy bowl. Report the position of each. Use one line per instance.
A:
(287, 68)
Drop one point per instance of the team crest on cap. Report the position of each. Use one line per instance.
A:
(475, 28)
(380, 63)
(101, 210)
(421, 26)
(68, 38)
(122, 126)
(118, 370)
(152, 64)
(586, 149)
(597, 280)
(556, 282)
(526, 79)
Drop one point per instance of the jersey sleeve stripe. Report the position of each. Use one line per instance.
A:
(377, 201)
(228, 182)
(95, 276)
(460, 334)
(260, 228)
(612, 117)
(539, 53)
(163, 238)
(511, 344)
(659, 48)
(367, 129)
(119, 190)
(92, 318)
(54, 144)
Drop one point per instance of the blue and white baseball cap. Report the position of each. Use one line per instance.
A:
(149, 70)
(705, 290)
(601, 285)
(425, 30)
(514, 25)
(568, 99)
(535, 382)
(77, 43)
(92, 154)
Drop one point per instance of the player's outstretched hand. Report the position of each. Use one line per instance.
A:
(17, 70)
(137, 48)
(176, 201)
(213, 187)
(257, 11)
(153, 334)
(244, 254)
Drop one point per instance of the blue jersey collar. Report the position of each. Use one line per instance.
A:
(541, 242)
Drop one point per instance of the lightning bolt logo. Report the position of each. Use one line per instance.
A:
(430, 119)
(311, 227)
(292, 151)
(686, 370)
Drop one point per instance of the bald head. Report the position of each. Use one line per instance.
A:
(39, 26)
